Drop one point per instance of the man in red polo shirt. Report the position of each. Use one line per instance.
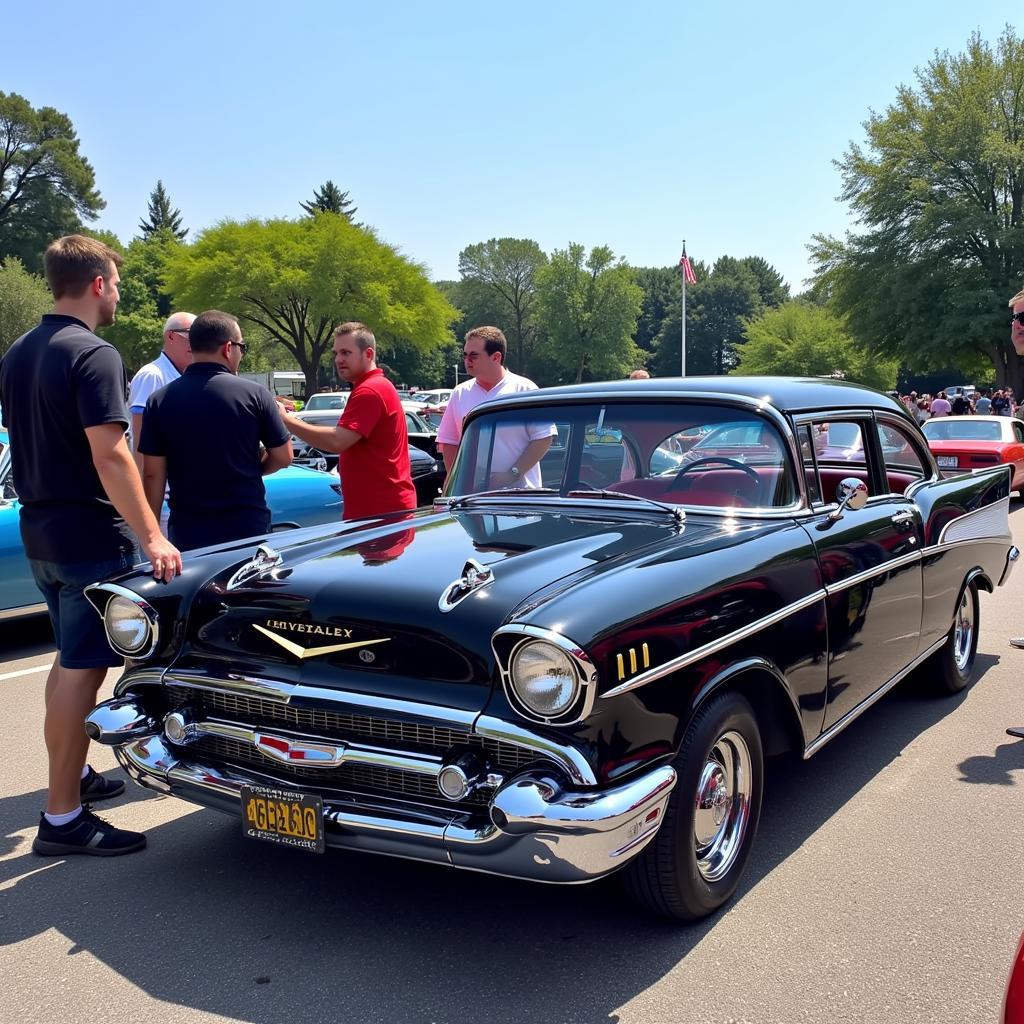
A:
(370, 438)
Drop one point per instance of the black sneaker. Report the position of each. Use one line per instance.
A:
(96, 787)
(86, 834)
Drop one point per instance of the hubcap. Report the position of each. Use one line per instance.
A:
(722, 806)
(963, 632)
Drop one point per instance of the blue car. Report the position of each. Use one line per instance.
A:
(296, 496)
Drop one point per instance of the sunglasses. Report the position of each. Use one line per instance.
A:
(242, 345)
(1018, 318)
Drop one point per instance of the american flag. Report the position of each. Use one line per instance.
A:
(688, 275)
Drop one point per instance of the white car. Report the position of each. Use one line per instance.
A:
(325, 400)
(439, 396)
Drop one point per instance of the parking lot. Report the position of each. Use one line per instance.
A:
(884, 886)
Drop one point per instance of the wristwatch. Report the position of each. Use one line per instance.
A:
(514, 471)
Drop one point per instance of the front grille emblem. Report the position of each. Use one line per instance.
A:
(312, 755)
(301, 652)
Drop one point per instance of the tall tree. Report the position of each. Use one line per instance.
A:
(162, 216)
(507, 268)
(589, 304)
(330, 199)
(24, 298)
(939, 189)
(662, 288)
(770, 286)
(47, 188)
(799, 339)
(297, 279)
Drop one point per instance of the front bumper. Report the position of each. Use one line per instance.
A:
(533, 828)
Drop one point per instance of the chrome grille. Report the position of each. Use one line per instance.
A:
(433, 739)
(370, 778)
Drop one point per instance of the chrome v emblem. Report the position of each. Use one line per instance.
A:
(301, 652)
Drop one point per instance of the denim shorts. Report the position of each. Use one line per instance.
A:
(77, 628)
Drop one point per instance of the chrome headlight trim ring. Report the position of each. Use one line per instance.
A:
(586, 673)
(112, 590)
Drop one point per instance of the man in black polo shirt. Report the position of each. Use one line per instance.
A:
(63, 392)
(201, 436)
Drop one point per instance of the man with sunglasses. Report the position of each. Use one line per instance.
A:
(169, 365)
(201, 437)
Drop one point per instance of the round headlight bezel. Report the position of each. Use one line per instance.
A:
(138, 611)
(512, 643)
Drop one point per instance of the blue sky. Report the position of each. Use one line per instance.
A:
(631, 125)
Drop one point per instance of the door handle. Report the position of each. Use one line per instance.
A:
(904, 520)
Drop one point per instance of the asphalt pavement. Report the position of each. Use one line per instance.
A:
(885, 886)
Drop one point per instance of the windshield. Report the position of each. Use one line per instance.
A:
(335, 400)
(674, 452)
(962, 430)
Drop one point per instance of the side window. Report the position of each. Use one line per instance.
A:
(552, 465)
(1018, 432)
(904, 464)
(411, 425)
(839, 450)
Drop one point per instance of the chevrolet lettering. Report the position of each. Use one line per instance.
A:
(562, 682)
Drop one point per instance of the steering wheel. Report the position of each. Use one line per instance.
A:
(728, 463)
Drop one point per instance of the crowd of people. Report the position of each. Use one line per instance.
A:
(981, 402)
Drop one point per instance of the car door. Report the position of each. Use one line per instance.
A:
(870, 559)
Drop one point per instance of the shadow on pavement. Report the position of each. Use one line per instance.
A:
(25, 638)
(210, 920)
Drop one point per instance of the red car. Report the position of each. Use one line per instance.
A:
(963, 443)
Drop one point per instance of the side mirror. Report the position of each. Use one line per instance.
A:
(851, 494)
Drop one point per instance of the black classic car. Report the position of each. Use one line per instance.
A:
(558, 682)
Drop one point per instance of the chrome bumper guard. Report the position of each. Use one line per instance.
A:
(533, 828)
(1011, 560)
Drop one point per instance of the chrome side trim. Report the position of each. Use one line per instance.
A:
(949, 544)
(683, 660)
(267, 689)
(867, 574)
(568, 758)
(585, 671)
(837, 727)
(25, 609)
(990, 521)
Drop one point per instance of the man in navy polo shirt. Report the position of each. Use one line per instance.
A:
(63, 394)
(201, 437)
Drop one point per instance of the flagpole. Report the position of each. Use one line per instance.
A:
(684, 316)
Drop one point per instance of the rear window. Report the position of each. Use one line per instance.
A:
(962, 430)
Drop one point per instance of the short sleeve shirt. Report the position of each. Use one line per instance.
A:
(56, 381)
(150, 378)
(940, 407)
(376, 476)
(509, 441)
(209, 424)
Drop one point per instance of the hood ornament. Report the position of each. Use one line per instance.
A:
(474, 576)
(265, 559)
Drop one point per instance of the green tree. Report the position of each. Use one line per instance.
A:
(939, 189)
(47, 188)
(662, 287)
(330, 199)
(589, 304)
(717, 308)
(770, 285)
(298, 279)
(137, 333)
(24, 298)
(162, 216)
(798, 339)
(506, 268)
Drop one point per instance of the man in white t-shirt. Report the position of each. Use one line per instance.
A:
(167, 367)
(517, 451)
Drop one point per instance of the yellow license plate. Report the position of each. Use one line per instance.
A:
(283, 817)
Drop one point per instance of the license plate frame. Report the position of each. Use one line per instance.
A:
(283, 817)
(947, 461)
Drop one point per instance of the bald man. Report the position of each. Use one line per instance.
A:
(168, 366)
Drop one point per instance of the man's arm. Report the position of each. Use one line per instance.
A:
(154, 481)
(532, 454)
(276, 458)
(448, 453)
(136, 434)
(327, 439)
(120, 478)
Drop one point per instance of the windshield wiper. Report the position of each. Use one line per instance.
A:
(675, 511)
(498, 492)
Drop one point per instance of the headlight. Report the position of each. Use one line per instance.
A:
(544, 678)
(129, 629)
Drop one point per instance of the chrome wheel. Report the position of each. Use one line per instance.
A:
(963, 632)
(722, 806)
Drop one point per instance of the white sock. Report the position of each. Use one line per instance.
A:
(63, 819)
(85, 770)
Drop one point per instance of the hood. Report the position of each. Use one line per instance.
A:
(360, 608)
